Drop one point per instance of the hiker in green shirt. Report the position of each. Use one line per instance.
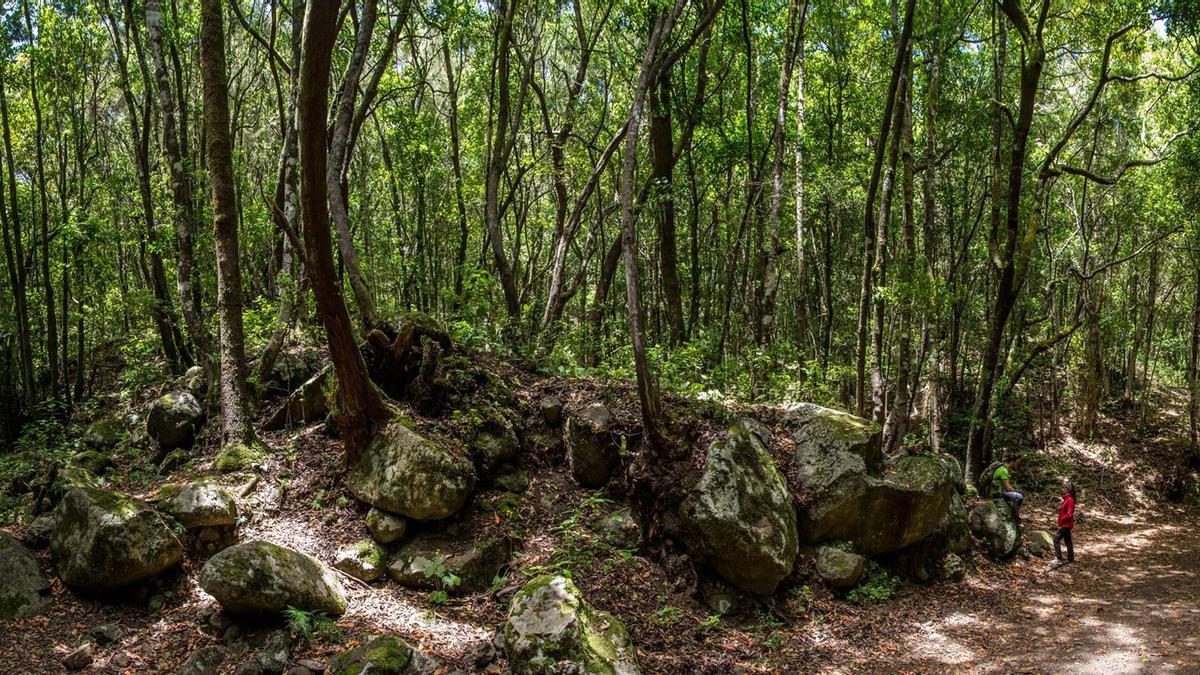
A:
(1002, 487)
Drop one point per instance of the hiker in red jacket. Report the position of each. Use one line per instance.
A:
(1066, 521)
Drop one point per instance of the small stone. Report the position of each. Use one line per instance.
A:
(721, 602)
(953, 568)
(363, 560)
(156, 603)
(120, 660)
(312, 664)
(840, 569)
(513, 481)
(106, 634)
(38, 532)
(173, 460)
(80, 658)
(552, 409)
(1040, 543)
(385, 527)
(483, 654)
(232, 633)
(620, 530)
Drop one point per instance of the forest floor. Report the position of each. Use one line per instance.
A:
(1129, 604)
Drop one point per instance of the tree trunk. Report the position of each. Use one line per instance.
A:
(662, 151)
(361, 407)
(236, 415)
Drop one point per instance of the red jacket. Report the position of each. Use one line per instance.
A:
(1066, 511)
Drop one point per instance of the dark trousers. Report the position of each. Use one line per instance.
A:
(1064, 534)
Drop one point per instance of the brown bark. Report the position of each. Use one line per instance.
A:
(236, 414)
(361, 407)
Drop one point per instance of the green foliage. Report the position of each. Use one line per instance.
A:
(878, 587)
(312, 626)
(443, 579)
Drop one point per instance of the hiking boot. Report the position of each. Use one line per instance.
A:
(1056, 563)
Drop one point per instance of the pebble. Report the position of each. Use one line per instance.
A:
(80, 658)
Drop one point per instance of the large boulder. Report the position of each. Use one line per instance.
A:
(201, 503)
(174, 419)
(840, 569)
(841, 498)
(104, 434)
(22, 583)
(741, 514)
(593, 451)
(955, 528)
(993, 523)
(819, 431)
(403, 472)
(435, 562)
(551, 629)
(259, 577)
(104, 539)
(382, 655)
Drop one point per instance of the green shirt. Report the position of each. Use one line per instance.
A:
(998, 477)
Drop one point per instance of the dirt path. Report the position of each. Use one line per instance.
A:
(1130, 604)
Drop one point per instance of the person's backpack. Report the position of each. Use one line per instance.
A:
(985, 478)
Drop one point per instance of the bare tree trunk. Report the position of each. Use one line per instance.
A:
(184, 214)
(361, 407)
(236, 414)
(869, 225)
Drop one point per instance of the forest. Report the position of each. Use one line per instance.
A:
(429, 336)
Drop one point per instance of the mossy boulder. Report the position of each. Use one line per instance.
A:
(385, 528)
(364, 559)
(593, 449)
(955, 528)
(1040, 543)
(495, 443)
(201, 503)
(37, 533)
(403, 472)
(840, 569)
(383, 655)
(259, 577)
(994, 524)
(174, 419)
(240, 456)
(104, 434)
(841, 498)
(438, 562)
(551, 629)
(741, 514)
(96, 462)
(104, 540)
(820, 431)
(22, 583)
(953, 568)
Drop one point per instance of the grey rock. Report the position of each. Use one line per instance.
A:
(38, 533)
(953, 568)
(260, 577)
(203, 661)
(362, 560)
(1040, 543)
(202, 503)
(385, 527)
(22, 583)
(551, 629)
(104, 540)
(424, 562)
(619, 529)
(80, 658)
(494, 444)
(593, 451)
(105, 634)
(551, 408)
(386, 655)
(515, 481)
(992, 522)
(841, 498)
(403, 472)
(173, 460)
(840, 569)
(742, 515)
(174, 419)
